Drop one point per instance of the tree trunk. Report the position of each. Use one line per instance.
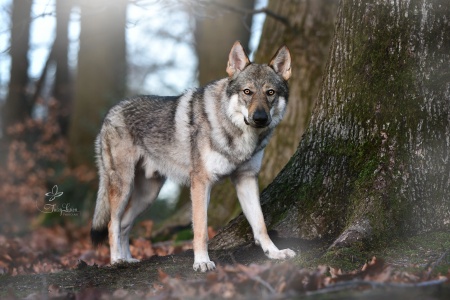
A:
(62, 89)
(374, 161)
(17, 106)
(305, 19)
(217, 28)
(308, 36)
(101, 74)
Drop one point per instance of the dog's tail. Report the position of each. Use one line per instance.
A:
(99, 230)
(102, 215)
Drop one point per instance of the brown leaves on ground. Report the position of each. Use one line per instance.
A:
(285, 279)
(57, 248)
(267, 281)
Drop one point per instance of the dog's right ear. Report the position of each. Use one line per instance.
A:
(237, 59)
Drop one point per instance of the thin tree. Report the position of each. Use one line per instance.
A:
(18, 105)
(101, 73)
(58, 58)
(62, 89)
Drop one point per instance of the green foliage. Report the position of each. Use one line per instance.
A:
(158, 211)
(184, 235)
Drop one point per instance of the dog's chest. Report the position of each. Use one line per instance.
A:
(222, 158)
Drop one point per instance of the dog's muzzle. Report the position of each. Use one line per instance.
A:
(259, 119)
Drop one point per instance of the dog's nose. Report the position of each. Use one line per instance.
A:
(260, 117)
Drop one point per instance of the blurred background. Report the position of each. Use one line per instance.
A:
(64, 63)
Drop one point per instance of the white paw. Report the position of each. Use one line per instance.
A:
(280, 254)
(117, 261)
(124, 260)
(132, 260)
(204, 266)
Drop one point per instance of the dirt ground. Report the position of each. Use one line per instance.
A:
(137, 276)
(245, 273)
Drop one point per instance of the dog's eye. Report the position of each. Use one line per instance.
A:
(270, 92)
(247, 92)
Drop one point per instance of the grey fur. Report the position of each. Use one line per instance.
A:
(200, 136)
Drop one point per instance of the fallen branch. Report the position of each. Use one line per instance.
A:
(436, 263)
(262, 282)
(340, 286)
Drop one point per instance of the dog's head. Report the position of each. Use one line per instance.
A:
(258, 92)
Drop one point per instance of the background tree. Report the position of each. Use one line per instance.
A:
(216, 30)
(18, 105)
(62, 89)
(307, 28)
(101, 73)
(373, 163)
(58, 58)
(221, 24)
(218, 24)
(307, 31)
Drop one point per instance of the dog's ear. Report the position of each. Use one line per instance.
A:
(237, 59)
(281, 63)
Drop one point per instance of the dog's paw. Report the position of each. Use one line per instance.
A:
(115, 261)
(132, 260)
(280, 254)
(204, 266)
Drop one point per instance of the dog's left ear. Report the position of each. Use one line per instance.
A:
(237, 60)
(281, 63)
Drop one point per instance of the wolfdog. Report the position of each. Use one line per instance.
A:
(197, 138)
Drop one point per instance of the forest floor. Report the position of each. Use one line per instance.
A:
(43, 258)
(51, 264)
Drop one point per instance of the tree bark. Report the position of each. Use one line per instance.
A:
(101, 73)
(308, 35)
(17, 106)
(374, 161)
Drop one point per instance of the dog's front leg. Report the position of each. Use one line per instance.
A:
(200, 191)
(248, 195)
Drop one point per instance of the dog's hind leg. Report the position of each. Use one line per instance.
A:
(144, 193)
(120, 159)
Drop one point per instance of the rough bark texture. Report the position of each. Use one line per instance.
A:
(17, 106)
(374, 161)
(308, 36)
(101, 74)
